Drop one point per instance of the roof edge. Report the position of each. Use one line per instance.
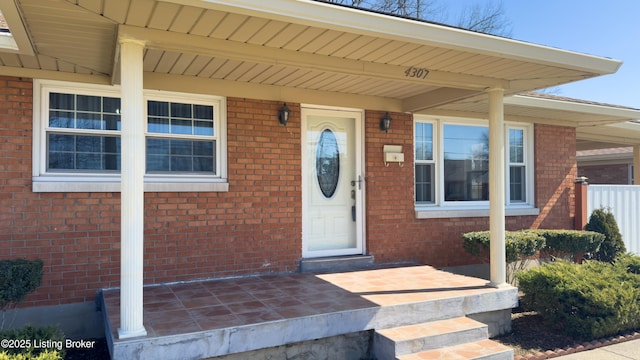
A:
(315, 13)
(574, 105)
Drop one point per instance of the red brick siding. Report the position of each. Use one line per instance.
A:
(616, 174)
(556, 171)
(255, 227)
(395, 235)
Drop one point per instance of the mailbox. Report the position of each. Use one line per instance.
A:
(393, 153)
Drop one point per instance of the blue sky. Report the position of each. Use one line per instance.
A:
(608, 28)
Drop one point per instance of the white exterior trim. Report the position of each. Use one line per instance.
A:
(461, 213)
(360, 166)
(443, 209)
(86, 182)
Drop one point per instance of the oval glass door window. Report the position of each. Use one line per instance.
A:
(328, 163)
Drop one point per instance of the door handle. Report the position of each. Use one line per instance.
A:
(359, 181)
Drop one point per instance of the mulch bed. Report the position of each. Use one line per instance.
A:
(532, 339)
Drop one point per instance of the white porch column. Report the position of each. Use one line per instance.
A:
(497, 189)
(132, 191)
(636, 165)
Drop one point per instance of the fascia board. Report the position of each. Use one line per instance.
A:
(614, 113)
(313, 13)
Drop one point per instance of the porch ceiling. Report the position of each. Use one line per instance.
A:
(294, 50)
(597, 125)
(608, 136)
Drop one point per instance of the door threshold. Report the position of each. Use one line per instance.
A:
(336, 263)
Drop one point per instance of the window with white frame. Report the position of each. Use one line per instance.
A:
(80, 127)
(82, 133)
(180, 138)
(452, 164)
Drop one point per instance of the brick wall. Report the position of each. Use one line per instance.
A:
(616, 174)
(255, 227)
(556, 171)
(395, 235)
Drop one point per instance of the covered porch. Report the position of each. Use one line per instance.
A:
(382, 313)
(283, 51)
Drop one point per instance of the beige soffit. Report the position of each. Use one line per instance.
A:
(290, 50)
(17, 40)
(608, 136)
(315, 13)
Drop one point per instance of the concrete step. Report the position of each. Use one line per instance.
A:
(477, 350)
(388, 343)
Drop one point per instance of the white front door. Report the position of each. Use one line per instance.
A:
(332, 183)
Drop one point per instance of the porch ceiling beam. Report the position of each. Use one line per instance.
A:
(169, 82)
(435, 98)
(202, 45)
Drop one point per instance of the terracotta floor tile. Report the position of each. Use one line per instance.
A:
(219, 322)
(282, 302)
(244, 307)
(176, 327)
(158, 289)
(289, 312)
(192, 293)
(220, 286)
(200, 302)
(216, 304)
(163, 306)
(261, 294)
(235, 296)
(209, 311)
(259, 316)
(166, 316)
(161, 297)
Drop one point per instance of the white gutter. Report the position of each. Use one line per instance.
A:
(312, 13)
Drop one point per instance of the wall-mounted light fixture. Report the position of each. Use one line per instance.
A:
(385, 123)
(283, 115)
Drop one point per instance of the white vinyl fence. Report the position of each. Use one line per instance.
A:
(624, 203)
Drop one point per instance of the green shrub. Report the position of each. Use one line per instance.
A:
(604, 222)
(519, 247)
(17, 279)
(571, 245)
(587, 301)
(630, 262)
(47, 340)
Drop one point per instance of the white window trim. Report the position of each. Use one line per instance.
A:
(435, 130)
(447, 209)
(86, 182)
(528, 162)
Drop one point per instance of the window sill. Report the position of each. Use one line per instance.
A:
(97, 184)
(424, 212)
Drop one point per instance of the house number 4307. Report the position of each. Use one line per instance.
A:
(414, 72)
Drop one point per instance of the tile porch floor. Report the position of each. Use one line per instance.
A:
(216, 304)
